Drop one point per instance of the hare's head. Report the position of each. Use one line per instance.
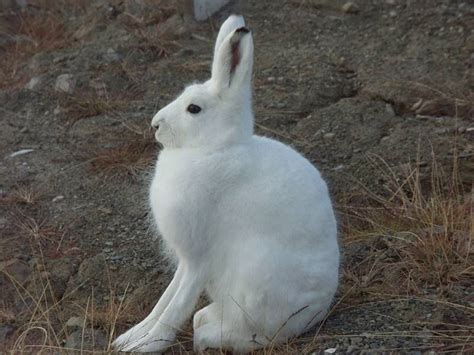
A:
(217, 112)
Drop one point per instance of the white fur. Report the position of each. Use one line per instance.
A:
(250, 220)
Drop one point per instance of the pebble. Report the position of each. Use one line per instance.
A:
(105, 210)
(329, 135)
(65, 83)
(390, 109)
(112, 56)
(58, 198)
(21, 152)
(34, 83)
(75, 322)
(350, 8)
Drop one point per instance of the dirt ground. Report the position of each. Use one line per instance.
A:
(361, 89)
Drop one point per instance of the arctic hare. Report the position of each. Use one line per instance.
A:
(249, 219)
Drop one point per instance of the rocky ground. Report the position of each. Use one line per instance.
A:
(367, 90)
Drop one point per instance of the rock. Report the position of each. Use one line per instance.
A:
(112, 56)
(86, 30)
(75, 322)
(34, 83)
(93, 270)
(350, 8)
(86, 339)
(65, 83)
(58, 198)
(21, 152)
(389, 109)
(329, 135)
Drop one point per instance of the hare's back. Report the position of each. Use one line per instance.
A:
(282, 191)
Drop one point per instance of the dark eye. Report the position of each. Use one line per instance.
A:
(194, 109)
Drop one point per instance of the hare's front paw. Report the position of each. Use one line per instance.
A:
(136, 340)
(133, 334)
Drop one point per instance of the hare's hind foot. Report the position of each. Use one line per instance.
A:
(214, 329)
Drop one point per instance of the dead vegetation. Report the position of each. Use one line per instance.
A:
(130, 158)
(419, 237)
(90, 103)
(37, 31)
(21, 195)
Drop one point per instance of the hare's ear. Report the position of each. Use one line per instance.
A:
(233, 61)
(232, 23)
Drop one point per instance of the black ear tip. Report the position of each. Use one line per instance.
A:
(242, 30)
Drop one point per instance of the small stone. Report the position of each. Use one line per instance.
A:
(112, 56)
(21, 152)
(389, 109)
(392, 13)
(65, 83)
(34, 83)
(384, 139)
(57, 110)
(105, 210)
(58, 198)
(329, 135)
(75, 322)
(350, 8)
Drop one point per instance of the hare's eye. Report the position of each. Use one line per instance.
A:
(194, 109)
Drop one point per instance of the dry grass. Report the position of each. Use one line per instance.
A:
(85, 104)
(22, 196)
(420, 236)
(31, 300)
(131, 156)
(34, 32)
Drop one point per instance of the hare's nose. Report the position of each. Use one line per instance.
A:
(155, 123)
